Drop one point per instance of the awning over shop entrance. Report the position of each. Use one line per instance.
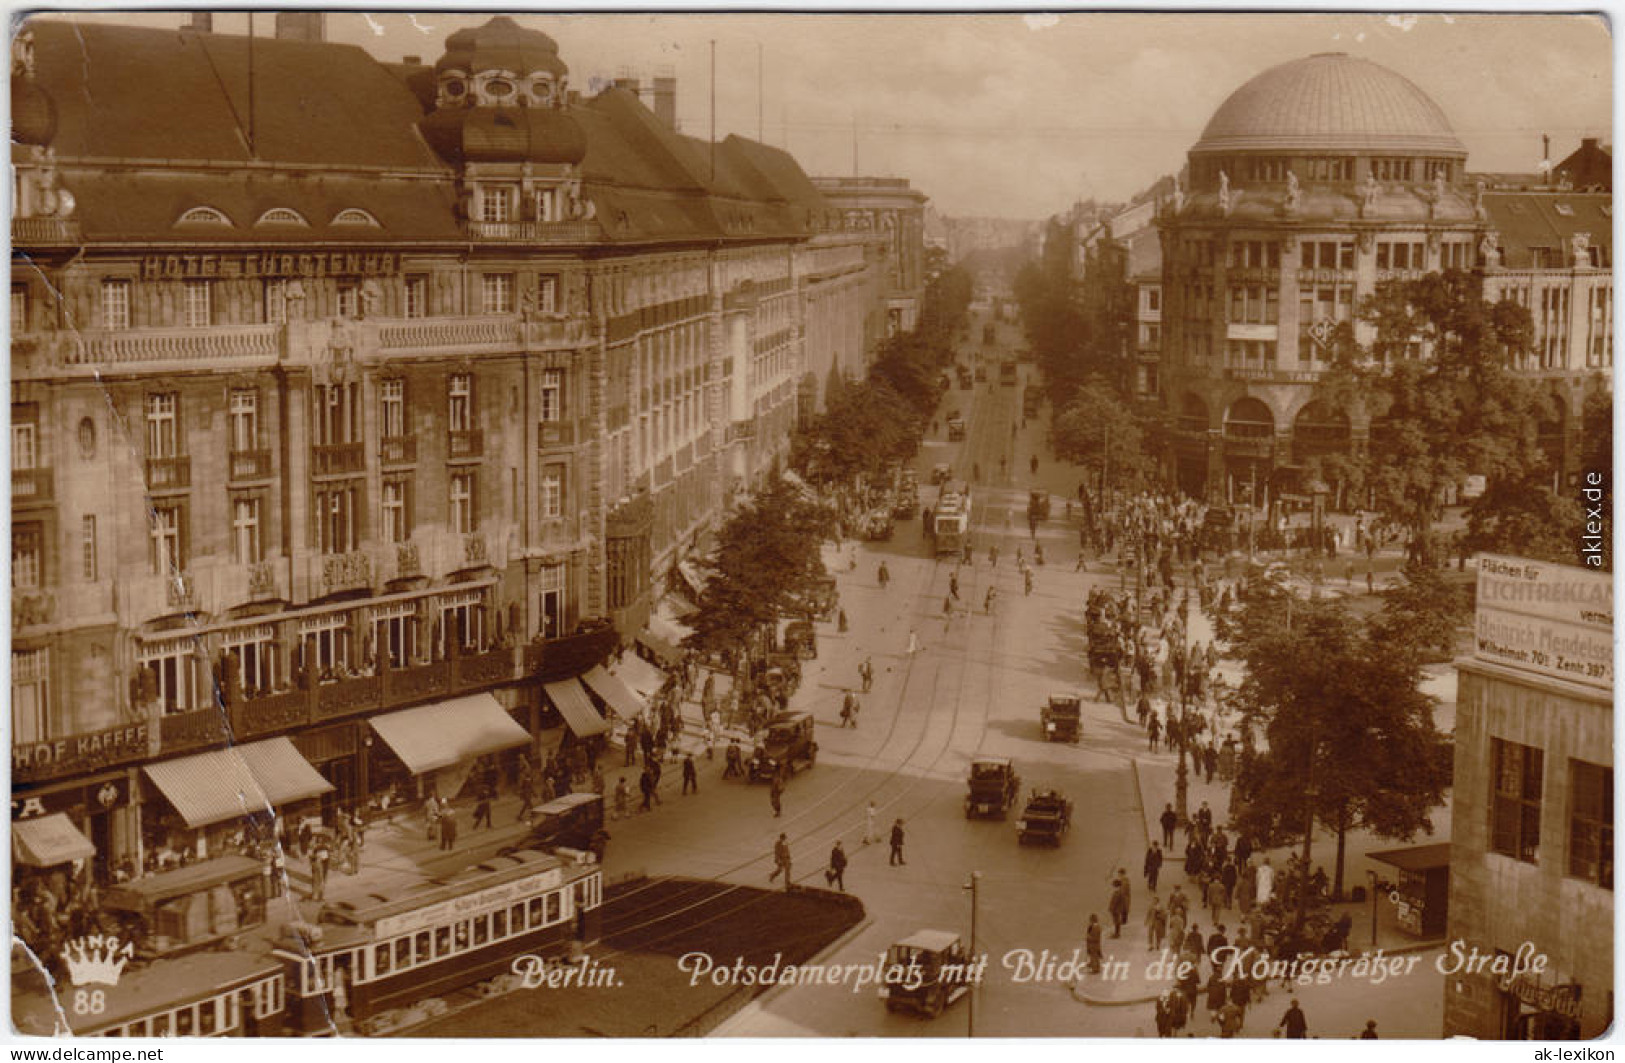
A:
(46, 841)
(437, 736)
(573, 704)
(209, 787)
(616, 694)
(643, 678)
(664, 638)
(282, 772)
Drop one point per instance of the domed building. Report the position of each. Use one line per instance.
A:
(1311, 183)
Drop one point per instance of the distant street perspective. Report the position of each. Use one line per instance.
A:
(490, 561)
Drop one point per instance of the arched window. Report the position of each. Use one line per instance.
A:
(203, 216)
(355, 216)
(282, 216)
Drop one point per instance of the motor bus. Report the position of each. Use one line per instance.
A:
(1007, 374)
(950, 523)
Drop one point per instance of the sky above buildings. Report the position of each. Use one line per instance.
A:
(1021, 115)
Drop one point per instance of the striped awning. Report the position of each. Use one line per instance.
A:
(437, 736)
(49, 840)
(643, 678)
(616, 694)
(568, 696)
(209, 788)
(283, 772)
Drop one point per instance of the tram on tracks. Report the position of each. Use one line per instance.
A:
(360, 961)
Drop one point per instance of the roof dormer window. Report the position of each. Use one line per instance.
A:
(203, 216)
(283, 216)
(355, 216)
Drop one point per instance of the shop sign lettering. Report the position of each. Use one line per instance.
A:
(79, 751)
(271, 264)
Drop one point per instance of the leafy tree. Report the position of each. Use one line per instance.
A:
(1462, 410)
(1099, 431)
(1426, 610)
(1349, 739)
(766, 564)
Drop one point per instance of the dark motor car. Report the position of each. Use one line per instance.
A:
(1062, 718)
(992, 787)
(1046, 818)
(787, 738)
(574, 821)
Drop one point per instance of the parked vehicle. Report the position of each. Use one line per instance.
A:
(574, 821)
(801, 639)
(787, 738)
(1037, 504)
(1007, 374)
(993, 786)
(941, 472)
(1046, 818)
(926, 972)
(1062, 718)
(956, 429)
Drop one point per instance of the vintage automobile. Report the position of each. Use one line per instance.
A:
(877, 524)
(1046, 818)
(906, 503)
(981, 374)
(821, 600)
(1037, 504)
(787, 738)
(1062, 718)
(574, 821)
(941, 472)
(926, 972)
(956, 428)
(801, 639)
(992, 787)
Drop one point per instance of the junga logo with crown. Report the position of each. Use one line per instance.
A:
(95, 960)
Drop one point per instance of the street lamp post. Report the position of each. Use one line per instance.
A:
(972, 885)
(1371, 876)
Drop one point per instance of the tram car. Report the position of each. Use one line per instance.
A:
(359, 962)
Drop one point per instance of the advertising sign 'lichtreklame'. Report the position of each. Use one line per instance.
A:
(1553, 620)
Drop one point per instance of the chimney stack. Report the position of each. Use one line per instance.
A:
(1546, 156)
(665, 101)
(301, 26)
(202, 22)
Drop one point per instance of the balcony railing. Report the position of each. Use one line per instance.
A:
(26, 231)
(249, 465)
(348, 695)
(32, 487)
(470, 444)
(169, 474)
(549, 659)
(541, 232)
(272, 712)
(468, 335)
(398, 450)
(185, 731)
(337, 459)
(224, 343)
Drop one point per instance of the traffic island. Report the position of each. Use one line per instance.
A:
(647, 977)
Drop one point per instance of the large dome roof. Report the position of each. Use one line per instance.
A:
(1330, 101)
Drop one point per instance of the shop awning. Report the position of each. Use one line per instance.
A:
(643, 678)
(49, 840)
(1416, 857)
(283, 772)
(573, 704)
(664, 638)
(208, 788)
(437, 736)
(616, 694)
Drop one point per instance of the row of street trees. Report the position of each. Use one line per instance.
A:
(870, 425)
(767, 562)
(1079, 333)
